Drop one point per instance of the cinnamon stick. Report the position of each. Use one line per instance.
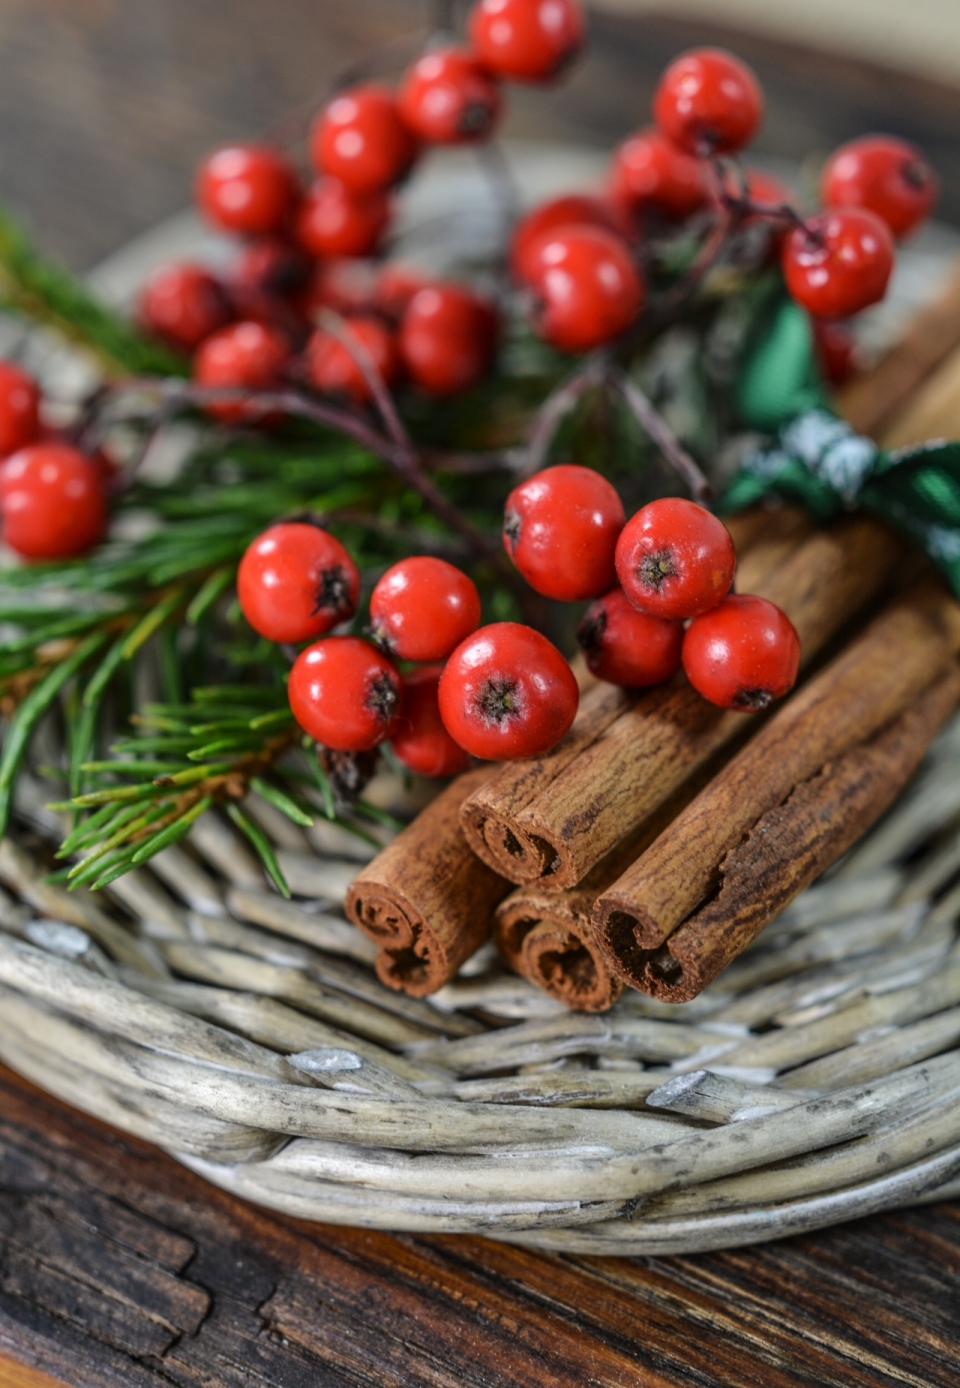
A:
(426, 900)
(900, 655)
(554, 819)
(792, 844)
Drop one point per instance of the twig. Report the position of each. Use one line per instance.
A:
(558, 404)
(339, 327)
(654, 425)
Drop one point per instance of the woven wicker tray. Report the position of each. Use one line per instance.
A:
(817, 1080)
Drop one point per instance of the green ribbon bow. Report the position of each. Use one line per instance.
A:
(817, 459)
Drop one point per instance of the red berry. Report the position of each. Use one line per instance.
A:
(448, 338)
(884, 175)
(334, 221)
(743, 654)
(675, 559)
(836, 350)
(708, 102)
(447, 98)
(395, 287)
(838, 262)
(335, 370)
(183, 304)
(247, 188)
(627, 647)
(560, 528)
(345, 693)
(360, 139)
(527, 40)
(422, 608)
(649, 170)
(587, 286)
(575, 209)
(344, 284)
(52, 502)
(19, 408)
(249, 356)
(421, 741)
(266, 270)
(507, 692)
(296, 582)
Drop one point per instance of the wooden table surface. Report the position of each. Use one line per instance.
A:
(117, 1266)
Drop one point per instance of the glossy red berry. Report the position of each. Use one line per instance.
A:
(650, 171)
(296, 582)
(51, 502)
(836, 350)
(421, 741)
(422, 608)
(346, 694)
(268, 271)
(448, 338)
(587, 287)
(248, 356)
(507, 692)
(743, 654)
(838, 262)
(884, 175)
(674, 559)
(336, 370)
(447, 98)
(360, 138)
(344, 284)
(526, 40)
(708, 102)
(334, 221)
(396, 285)
(247, 188)
(19, 408)
(627, 647)
(560, 528)
(183, 304)
(574, 209)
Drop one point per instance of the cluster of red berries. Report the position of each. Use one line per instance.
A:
(671, 564)
(53, 498)
(497, 691)
(306, 249)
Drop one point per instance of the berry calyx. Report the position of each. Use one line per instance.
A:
(675, 559)
(245, 356)
(627, 647)
(19, 408)
(360, 138)
(560, 528)
(346, 694)
(649, 170)
(507, 692)
(296, 582)
(743, 654)
(421, 741)
(247, 188)
(838, 262)
(422, 608)
(335, 221)
(447, 98)
(574, 209)
(51, 502)
(183, 304)
(526, 40)
(334, 369)
(448, 338)
(887, 176)
(269, 276)
(708, 102)
(586, 286)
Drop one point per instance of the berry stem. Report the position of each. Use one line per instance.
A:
(339, 327)
(591, 372)
(654, 425)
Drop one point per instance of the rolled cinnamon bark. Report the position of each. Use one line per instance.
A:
(792, 844)
(426, 900)
(553, 820)
(900, 655)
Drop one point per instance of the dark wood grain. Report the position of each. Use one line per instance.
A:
(120, 1269)
(105, 108)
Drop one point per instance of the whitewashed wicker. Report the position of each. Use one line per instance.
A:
(816, 1080)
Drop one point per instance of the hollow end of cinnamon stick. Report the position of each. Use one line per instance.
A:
(557, 954)
(412, 958)
(502, 844)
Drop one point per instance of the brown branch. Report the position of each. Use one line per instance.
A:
(655, 426)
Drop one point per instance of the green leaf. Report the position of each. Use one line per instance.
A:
(280, 802)
(218, 581)
(173, 832)
(263, 847)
